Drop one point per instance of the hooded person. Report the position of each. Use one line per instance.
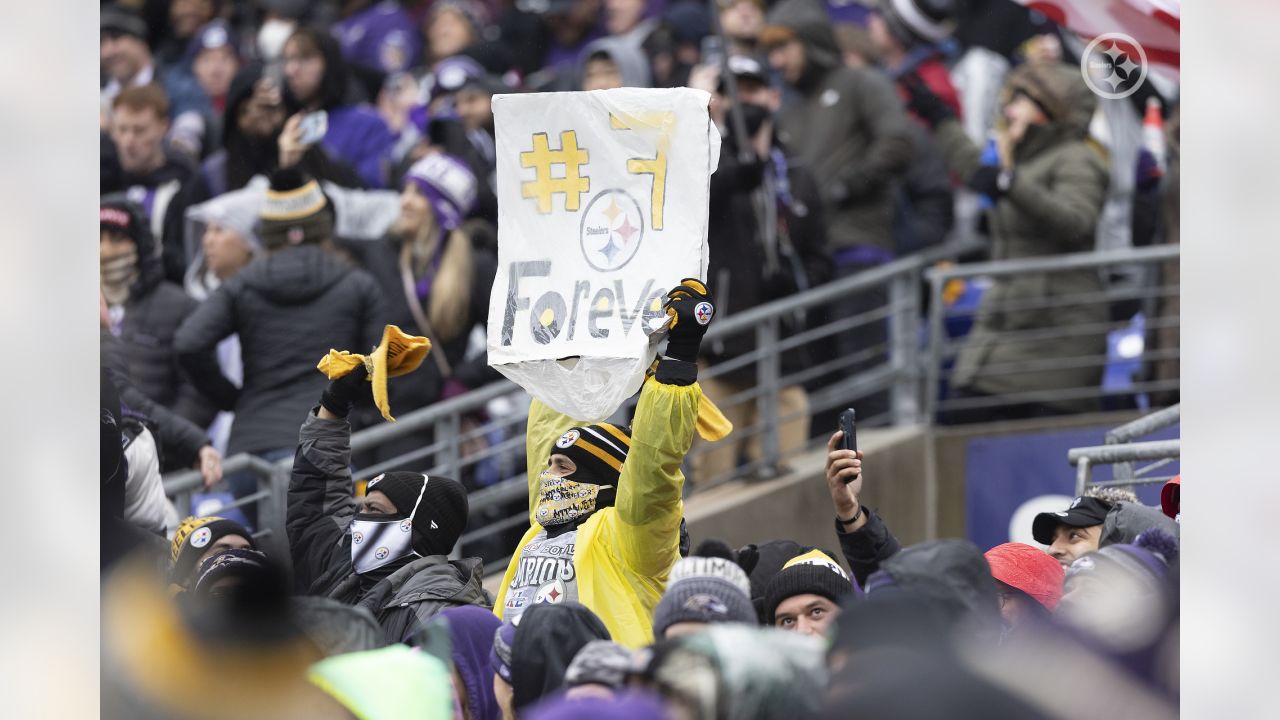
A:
(532, 653)
(470, 630)
(848, 127)
(1046, 196)
(1029, 583)
(288, 307)
(806, 594)
(145, 311)
(702, 591)
(952, 577)
(222, 239)
(1128, 520)
(388, 551)
(605, 502)
(250, 141)
(612, 62)
(316, 78)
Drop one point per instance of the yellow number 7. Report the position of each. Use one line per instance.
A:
(662, 123)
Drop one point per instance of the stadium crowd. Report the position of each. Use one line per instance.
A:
(281, 178)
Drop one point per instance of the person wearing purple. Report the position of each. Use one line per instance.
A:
(316, 78)
(471, 629)
(379, 36)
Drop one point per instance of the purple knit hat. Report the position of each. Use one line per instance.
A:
(449, 185)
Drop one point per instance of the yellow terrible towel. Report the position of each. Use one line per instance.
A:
(396, 355)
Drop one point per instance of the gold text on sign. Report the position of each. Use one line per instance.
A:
(661, 124)
(542, 159)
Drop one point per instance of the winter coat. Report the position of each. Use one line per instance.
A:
(153, 312)
(1052, 207)
(623, 553)
(868, 546)
(290, 308)
(320, 509)
(180, 440)
(849, 127)
(953, 576)
(164, 194)
(1126, 521)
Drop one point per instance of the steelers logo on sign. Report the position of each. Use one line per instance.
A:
(201, 537)
(381, 553)
(568, 439)
(612, 228)
(357, 537)
(406, 525)
(552, 593)
(702, 312)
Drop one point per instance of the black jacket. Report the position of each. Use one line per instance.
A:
(290, 308)
(180, 439)
(166, 193)
(402, 596)
(865, 548)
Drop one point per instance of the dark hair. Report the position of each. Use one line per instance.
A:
(332, 92)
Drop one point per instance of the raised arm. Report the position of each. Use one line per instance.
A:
(864, 538)
(651, 485)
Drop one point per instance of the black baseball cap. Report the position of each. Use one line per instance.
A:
(1084, 512)
(746, 67)
(120, 20)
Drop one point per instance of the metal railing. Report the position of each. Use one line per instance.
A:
(478, 437)
(1121, 452)
(1041, 340)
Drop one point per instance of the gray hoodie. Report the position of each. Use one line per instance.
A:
(630, 59)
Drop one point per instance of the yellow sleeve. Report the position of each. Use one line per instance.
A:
(649, 492)
(545, 427)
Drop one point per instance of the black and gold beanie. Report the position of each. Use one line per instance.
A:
(597, 450)
(296, 211)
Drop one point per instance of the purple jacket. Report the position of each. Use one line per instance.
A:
(358, 136)
(381, 36)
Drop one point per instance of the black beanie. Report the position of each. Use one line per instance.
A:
(441, 516)
(598, 451)
(296, 211)
(815, 573)
(195, 535)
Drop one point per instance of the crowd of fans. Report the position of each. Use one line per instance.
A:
(280, 178)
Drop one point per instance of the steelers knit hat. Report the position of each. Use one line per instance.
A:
(196, 534)
(295, 210)
(597, 450)
(813, 572)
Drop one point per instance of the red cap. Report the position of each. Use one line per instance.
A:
(1029, 569)
(1171, 497)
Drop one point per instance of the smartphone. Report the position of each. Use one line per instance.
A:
(313, 127)
(712, 50)
(848, 425)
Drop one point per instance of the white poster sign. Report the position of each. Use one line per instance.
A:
(602, 208)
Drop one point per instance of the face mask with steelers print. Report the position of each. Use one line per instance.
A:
(563, 500)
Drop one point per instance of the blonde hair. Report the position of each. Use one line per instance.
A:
(448, 305)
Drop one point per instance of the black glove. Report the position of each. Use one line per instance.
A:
(924, 102)
(345, 391)
(690, 308)
(988, 180)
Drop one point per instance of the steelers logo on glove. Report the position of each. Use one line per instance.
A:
(691, 308)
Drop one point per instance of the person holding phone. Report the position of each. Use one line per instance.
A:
(864, 538)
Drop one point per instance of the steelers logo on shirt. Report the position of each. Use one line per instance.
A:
(552, 593)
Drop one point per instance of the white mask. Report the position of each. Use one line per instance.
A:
(272, 36)
(376, 542)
